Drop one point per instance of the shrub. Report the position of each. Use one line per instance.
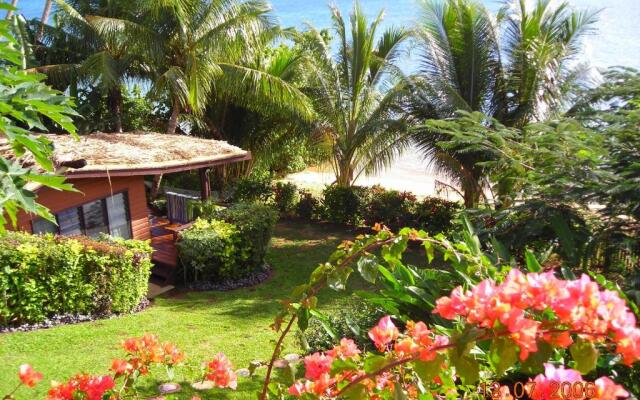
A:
(253, 188)
(352, 321)
(212, 250)
(47, 275)
(285, 197)
(308, 206)
(436, 215)
(344, 205)
(390, 207)
(227, 243)
(256, 223)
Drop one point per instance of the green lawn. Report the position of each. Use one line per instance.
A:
(202, 324)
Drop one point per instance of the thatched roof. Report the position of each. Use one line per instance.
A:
(136, 153)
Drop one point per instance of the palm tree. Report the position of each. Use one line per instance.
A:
(95, 56)
(356, 97)
(43, 20)
(198, 48)
(514, 67)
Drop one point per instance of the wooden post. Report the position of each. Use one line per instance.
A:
(205, 185)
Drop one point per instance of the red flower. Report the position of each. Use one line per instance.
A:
(121, 367)
(93, 387)
(28, 375)
(220, 371)
(316, 364)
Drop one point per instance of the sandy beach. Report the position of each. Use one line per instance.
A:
(407, 173)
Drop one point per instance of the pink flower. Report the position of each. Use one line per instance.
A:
(606, 389)
(28, 376)
(384, 333)
(451, 307)
(546, 386)
(346, 349)
(317, 364)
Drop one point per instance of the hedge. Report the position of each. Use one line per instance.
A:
(46, 275)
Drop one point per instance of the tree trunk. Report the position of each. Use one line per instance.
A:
(345, 175)
(14, 4)
(44, 19)
(155, 188)
(173, 121)
(115, 105)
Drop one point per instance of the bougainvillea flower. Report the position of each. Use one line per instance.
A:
(346, 349)
(220, 372)
(578, 306)
(406, 347)
(91, 388)
(558, 339)
(452, 306)
(546, 386)
(606, 389)
(420, 333)
(28, 376)
(316, 364)
(384, 333)
(121, 367)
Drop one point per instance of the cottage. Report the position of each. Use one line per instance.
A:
(108, 170)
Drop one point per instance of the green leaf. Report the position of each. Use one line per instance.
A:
(374, 363)
(428, 370)
(368, 268)
(428, 247)
(534, 363)
(398, 393)
(303, 318)
(532, 262)
(339, 365)
(585, 355)
(502, 354)
(325, 323)
(356, 392)
(467, 368)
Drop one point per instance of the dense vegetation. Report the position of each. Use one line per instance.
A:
(45, 276)
(534, 280)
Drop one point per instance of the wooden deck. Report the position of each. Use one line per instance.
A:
(163, 240)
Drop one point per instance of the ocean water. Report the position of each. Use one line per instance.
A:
(616, 42)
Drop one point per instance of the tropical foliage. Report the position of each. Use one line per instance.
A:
(26, 103)
(355, 93)
(516, 67)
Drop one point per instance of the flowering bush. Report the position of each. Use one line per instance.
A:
(549, 329)
(142, 353)
(517, 315)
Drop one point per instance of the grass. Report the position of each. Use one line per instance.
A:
(202, 324)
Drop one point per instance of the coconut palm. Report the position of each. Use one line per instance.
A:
(356, 97)
(198, 49)
(514, 67)
(78, 52)
(44, 19)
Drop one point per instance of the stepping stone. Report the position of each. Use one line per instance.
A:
(167, 388)
(243, 372)
(203, 385)
(292, 358)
